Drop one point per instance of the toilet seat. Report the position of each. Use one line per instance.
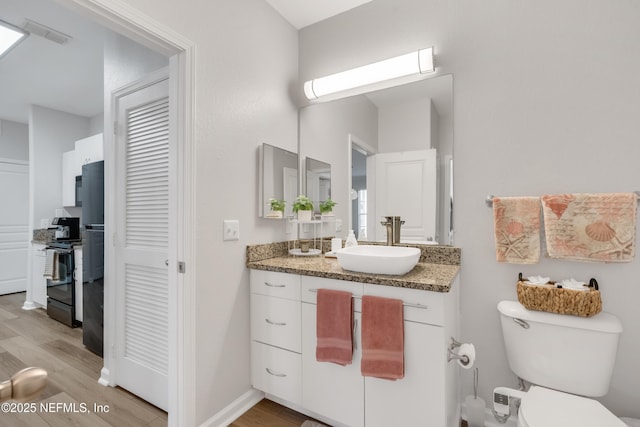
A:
(542, 407)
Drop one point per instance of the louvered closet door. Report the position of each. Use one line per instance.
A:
(142, 243)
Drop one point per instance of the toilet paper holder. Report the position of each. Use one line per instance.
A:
(452, 355)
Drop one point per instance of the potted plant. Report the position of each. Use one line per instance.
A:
(277, 208)
(326, 207)
(303, 207)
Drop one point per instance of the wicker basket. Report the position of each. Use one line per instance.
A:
(560, 300)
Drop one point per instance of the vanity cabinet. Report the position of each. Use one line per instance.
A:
(420, 397)
(427, 395)
(276, 362)
(329, 389)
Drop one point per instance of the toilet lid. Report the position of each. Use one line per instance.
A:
(542, 407)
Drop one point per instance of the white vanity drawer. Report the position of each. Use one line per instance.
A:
(277, 372)
(276, 321)
(311, 284)
(420, 306)
(276, 284)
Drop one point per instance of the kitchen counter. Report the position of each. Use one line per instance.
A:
(428, 276)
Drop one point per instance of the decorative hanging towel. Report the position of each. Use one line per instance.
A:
(591, 227)
(517, 229)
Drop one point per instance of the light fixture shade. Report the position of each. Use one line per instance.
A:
(419, 62)
(9, 37)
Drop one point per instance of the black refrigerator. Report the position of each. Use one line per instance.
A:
(93, 256)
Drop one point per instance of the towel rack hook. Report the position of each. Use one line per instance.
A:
(489, 200)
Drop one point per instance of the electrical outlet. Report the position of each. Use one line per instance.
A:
(231, 229)
(338, 225)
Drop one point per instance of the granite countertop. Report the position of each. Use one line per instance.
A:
(428, 276)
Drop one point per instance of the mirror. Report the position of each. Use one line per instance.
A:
(279, 179)
(371, 140)
(318, 182)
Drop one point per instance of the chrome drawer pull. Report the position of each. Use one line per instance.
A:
(275, 374)
(274, 286)
(275, 323)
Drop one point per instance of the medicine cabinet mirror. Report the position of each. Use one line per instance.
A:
(279, 178)
(318, 181)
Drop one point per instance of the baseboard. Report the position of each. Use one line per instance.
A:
(235, 409)
(29, 305)
(104, 377)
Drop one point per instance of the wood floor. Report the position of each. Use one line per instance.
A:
(269, 414)
(73, 396)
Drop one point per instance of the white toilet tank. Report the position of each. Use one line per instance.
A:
(567, 353)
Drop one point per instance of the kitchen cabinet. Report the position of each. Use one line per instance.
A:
(38, 281)
(427, 395)
(87, 150)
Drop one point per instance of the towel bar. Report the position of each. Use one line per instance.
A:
(406, 304)
(489, 199)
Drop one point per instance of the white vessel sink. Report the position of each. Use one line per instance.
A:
(394, 260)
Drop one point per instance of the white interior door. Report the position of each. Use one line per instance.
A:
(14, 227)
(406, 187)
(143, 216)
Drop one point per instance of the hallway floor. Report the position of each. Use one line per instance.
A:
(73, 395)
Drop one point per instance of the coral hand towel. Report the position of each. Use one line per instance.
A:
(382, 338)
(591, 227)
(334, 318)
(517, 229)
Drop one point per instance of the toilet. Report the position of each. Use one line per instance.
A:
(568, 360)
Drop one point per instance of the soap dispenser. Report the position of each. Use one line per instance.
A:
(351, 240)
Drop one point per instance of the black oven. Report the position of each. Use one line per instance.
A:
(61, 301)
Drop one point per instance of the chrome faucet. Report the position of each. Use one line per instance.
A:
(393, 224)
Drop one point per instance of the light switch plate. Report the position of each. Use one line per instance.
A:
(231, 229)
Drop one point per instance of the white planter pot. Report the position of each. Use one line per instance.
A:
(304, 215)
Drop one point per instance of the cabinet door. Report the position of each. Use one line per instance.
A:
(419, 398)
(276, 371)
(331, 390)
(89, 150)
(275, 321)
(38, 282)
(275, 284)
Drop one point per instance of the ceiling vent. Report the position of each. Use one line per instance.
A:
(43, 31)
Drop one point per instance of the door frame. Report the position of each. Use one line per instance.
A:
(368, 150)
(129, 22)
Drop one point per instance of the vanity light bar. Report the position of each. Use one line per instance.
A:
(418, 62)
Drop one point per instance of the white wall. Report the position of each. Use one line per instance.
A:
(246, 67)
(545, 101)
(14, 140)
(51, 132)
